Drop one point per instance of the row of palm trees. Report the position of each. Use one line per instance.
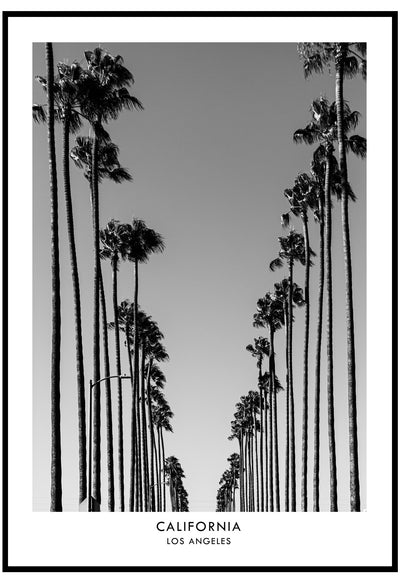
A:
(331, 125)
(96, 95)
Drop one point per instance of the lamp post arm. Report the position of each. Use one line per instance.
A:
(123, 377)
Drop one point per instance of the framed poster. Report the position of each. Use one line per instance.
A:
(207, 356)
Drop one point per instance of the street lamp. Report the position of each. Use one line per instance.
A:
(123, 377)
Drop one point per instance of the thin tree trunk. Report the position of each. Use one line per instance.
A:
(241, 474)
(246, 471)
(136, 385)
(351, 358)
(287, 449)
(257, 467)
(270, 468)
(266, 446)
(80, 376)
(162, 476)
(304, 452)
(133, 470)
(56, 484)
(318, 359)
(119, 389)
(144, 433)
(251, 452)
(157, 506)
(292, 418)
(261, 434)
(151, 434)
(96, 326)
(329, 341)
(109, 423)
(275, 415)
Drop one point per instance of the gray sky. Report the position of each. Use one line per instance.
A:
(210, 155)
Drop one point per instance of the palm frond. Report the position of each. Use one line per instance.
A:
(39, 113)
(358, 145)
(285, 219)
(276, 264)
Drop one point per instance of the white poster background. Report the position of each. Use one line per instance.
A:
(273, 539)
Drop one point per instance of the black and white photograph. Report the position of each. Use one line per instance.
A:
(201, 246)
(201, 340)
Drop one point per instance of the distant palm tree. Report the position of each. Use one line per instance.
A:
(56, 486)
(291, 251)
(113, 245)
(281, 291)
(162, 415)
(259, 349)
(154, 352)
(141, 243)
(270, 314)
(302, 198)
(175, 474)
(104, 95)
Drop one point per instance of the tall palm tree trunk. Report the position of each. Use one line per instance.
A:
(109, 424)
(318, 360)
(351, 359)
(292, 418)
(139, 496)
(304, 451)
(329, 340)
(56, 484)
(246, 472)
(251, 462)
(144, 434)
(156, 477)
(162, 473)
(80, 376)
(151, 434)
(266, 448)
(119, 390)
(96, 325)
(275, 417)
(133, 471)
(261, 435)
(241, 474)
(270, 468)
(257, 467)
(286, 312)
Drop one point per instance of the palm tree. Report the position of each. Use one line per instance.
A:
(56, 486)
(237, 432)
(162, 415)
(270, 314)
(113, 248)
(66, 88)
(291, 251)
(302, 197)
(154, 352)
(141, 243)
(259, 349)
(318, 173)
(104, 95)
(281, 291)
(347, 63)
(173, 470)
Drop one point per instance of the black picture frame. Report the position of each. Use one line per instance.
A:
(393, 15)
